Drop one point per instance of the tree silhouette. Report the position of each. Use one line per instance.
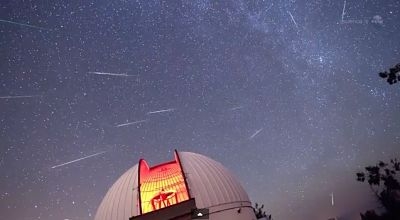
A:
(382, 181)
(393, 76)
(260, 213)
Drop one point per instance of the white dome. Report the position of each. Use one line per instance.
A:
(210, 184)
(120, 201)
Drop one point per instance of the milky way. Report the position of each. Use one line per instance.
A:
(285, 94)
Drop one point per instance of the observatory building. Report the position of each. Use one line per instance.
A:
(191, 186)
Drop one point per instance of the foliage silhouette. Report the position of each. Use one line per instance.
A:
(393, 76)
(260, 213)
(382, 181)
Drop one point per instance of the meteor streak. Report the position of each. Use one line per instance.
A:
(73, 161)
(130, 123)
(109, 74)
(161, 111)
(23, 24)
(19, 96)
(236, 108)
(269, 7)
(344, 10)
(293, 20)
(256, 133)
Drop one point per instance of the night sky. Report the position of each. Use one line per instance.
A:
(285, 94)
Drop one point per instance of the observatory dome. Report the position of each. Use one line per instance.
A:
(143, 189)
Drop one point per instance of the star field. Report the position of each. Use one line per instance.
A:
(285, 94)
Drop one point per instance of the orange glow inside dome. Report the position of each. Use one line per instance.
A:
(161, 186)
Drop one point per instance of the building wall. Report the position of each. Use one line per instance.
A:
(179, 211)
(232, 211)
